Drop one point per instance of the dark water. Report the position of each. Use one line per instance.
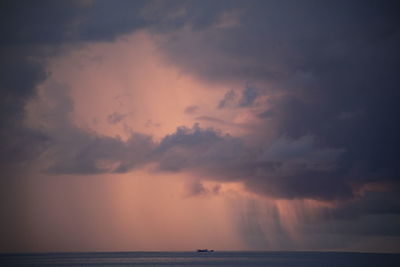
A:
(309, 259)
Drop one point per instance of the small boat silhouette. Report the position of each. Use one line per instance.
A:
(205, 250)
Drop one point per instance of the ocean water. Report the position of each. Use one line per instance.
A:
(243, 258)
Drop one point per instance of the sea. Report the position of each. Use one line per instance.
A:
(218, 258)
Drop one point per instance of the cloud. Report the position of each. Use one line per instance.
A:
(53, 24)
(316, 75)
(220, 122)
(283, 169)
(31, 34)
(229, 100)
(249, 95)
(22, 71)
(191, 109)
(75, 150)
(196, 149)
(195, 189)
(302, 152)
(266, 114)
(96, 154)
(274, 170)
(115, 117)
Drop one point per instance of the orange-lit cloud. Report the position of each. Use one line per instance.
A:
(130, 80)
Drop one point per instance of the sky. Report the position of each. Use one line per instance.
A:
(178, 125)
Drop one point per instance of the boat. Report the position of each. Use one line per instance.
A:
(205, 250)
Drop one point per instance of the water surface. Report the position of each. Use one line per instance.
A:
(238, 258)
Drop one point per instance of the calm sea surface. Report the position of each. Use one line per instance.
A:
(309, 259)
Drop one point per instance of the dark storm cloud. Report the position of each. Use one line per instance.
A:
(20, 71)
(283, 169)
(333, 71)
(30, 33)
(47, 22)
